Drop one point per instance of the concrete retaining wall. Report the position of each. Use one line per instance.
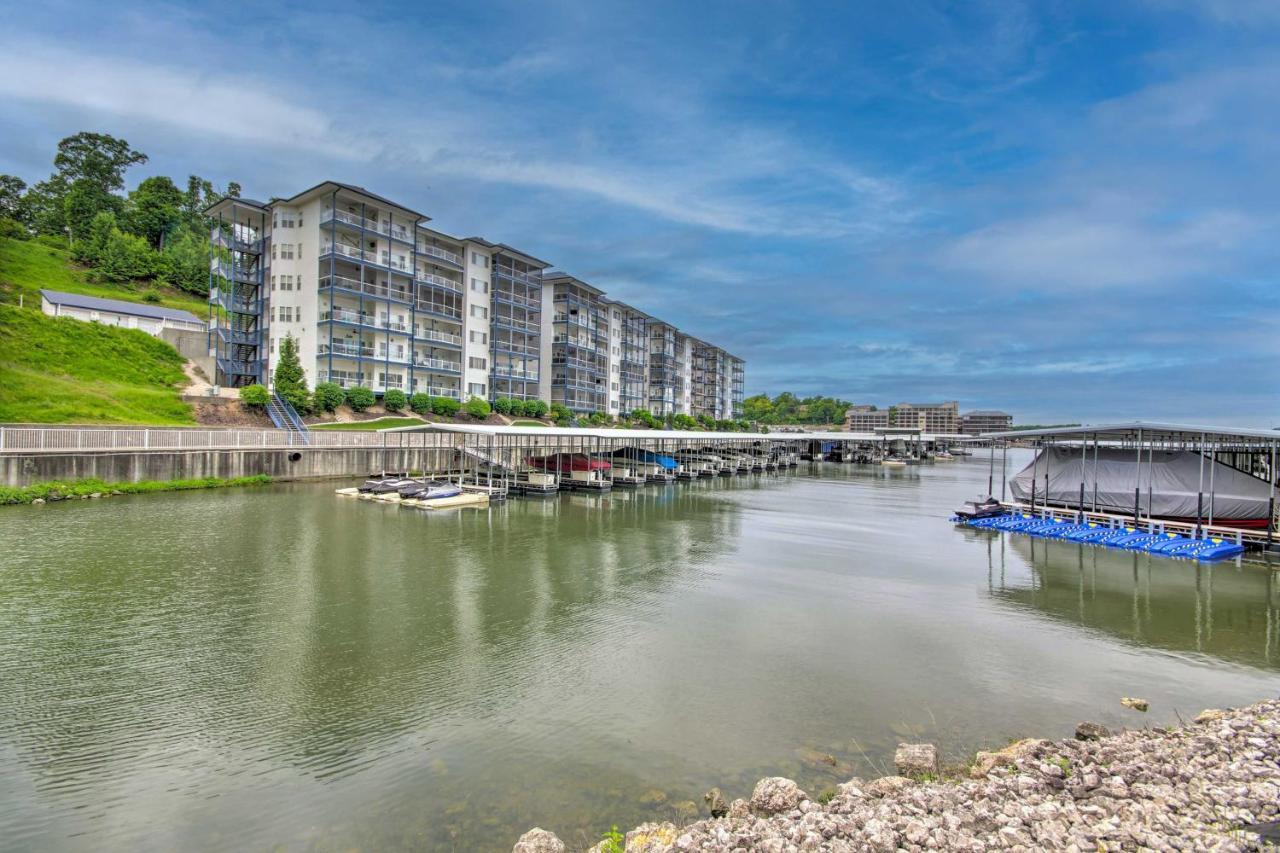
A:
(284, 464)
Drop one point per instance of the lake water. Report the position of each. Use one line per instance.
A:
(281, 668)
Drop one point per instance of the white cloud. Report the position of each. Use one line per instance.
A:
(228, 105)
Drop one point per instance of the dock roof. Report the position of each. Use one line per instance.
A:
(660, 434)
(1151, 430)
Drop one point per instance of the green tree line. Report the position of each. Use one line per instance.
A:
(787, 408)
(157, 231)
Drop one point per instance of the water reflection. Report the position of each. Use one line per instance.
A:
(1229, 611)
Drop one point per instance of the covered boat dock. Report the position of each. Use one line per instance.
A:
(1181, 478)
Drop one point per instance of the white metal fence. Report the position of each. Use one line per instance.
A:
(28, 439)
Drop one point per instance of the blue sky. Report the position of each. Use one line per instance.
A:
(1065, 210)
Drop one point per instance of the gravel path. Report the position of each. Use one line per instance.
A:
(1191, 788)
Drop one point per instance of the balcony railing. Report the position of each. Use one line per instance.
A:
(513, 372)
(515, 298)
(381, 291)
(439, 281)
(440, 308)
(517, 275)
(438, 364)
(340, 348)
(513, 323)
(438, 337)
(437, 252)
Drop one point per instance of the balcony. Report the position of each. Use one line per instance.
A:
(367, 256)
(437, 364)
(438, 337)
(433, 280)
(355, 285)
(516, 275)
(235, 304)
(441, 308)
(515, 299)
(235, 272)
(508, 372)
(442, 254)
(513, 323)
(439, 391)
(345, 349)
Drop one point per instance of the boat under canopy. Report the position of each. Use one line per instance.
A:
(1170, 484)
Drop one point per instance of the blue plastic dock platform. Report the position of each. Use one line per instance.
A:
(1129, 538)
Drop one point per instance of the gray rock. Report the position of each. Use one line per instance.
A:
(652, 838)
(715, 802)
(887, 785)
(1135, 704)
(776, 794)
(1091, 731)
(916, 759)
(739, 809)
(538, 841)
(38, 502)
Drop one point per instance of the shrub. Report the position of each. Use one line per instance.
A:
(360, 399)
(535, 408)
(683, 421)
(13, 229)
(420, 403)
(502, 405)
(254, 396)
(477, 408)
(598, 419)
(152, 297)
(445, 406)
(328, 396)
(394, 400)
(560, 414)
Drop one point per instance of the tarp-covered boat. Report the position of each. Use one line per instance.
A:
(567, 462)
(648, 457)
(1172, 476)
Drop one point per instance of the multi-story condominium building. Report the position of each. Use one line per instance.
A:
(717, 382)
(578, 347)
(866, 418)
(926, 417)
(978, 422)
(666, 379)
(374, 297)
(628, 358)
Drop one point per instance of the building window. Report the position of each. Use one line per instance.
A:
(480, 311)
(479, 286)
(475, 389)
(479, 337)
(477, 363)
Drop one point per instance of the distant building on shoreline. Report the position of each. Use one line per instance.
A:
(985, 420)
(926, 417)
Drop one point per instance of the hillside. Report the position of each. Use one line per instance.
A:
(28, 265)
(68, 371)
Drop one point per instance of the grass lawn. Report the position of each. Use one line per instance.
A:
(380, 423)
(26, 266)
(528, 423)
(59, 370)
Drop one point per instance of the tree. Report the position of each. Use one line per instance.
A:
(13, 205)
(123, 257)
(446, 407)
(478, 408)
(185, 263)
(155, 210)
(360, 399)
(97, 163)
(328, 396)
(290, 381)
(420, 402)
(394, 400)
(254, 396)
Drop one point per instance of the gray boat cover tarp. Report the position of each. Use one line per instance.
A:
(1173, 477)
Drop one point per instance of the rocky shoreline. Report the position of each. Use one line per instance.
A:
(1213, 784)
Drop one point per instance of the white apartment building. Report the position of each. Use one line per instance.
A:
(376, 298)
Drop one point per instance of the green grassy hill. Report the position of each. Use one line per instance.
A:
(68, 371)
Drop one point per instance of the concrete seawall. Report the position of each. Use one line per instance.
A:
(301, 463)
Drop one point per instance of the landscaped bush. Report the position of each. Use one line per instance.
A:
(535, 409)
(254, 396)
(502, 405)
(560, 414)
(477, 408)
(598, 419)
(394, 400)
(683, 421)
(360, 399)
(328, 396)
(13, 229)
(420, 403)
(445, 406)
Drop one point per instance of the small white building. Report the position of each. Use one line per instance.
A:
(151, 319)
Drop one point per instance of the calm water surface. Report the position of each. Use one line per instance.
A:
(284, 669)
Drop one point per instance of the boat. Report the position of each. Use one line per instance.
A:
(1172, 485)
(430, 490)
(943, 456)
(385, 485)
(647, 457)
(979, 507)
(893, 462)
(567, 462)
